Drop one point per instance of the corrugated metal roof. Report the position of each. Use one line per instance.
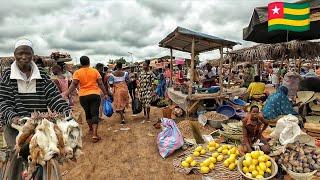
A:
(181, 39)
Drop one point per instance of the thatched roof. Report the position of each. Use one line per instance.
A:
(292, 49)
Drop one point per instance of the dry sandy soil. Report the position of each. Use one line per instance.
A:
(131, 154)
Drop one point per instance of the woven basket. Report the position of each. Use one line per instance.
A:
(232, 136)
(299, 176)
(274, 169)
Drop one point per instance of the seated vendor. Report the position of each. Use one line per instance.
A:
(278, 104)
(196, 77)
(209, 77)
(179, 75)
(252, 129)
(256, 89)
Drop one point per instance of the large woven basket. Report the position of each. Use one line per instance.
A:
(299, 176)
(274, 169)
(232, 136)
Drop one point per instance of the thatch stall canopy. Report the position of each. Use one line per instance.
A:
(181, 39)
(292, 49)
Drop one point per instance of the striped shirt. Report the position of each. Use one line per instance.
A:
(15, 104)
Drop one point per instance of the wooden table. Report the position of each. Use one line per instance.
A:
(188, 104)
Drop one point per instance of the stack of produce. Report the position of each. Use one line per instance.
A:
(57, 55)
(232, 130)
(300, 158)
(256, 165)
(213, 153)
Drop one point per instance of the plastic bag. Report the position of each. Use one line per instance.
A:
(136, 106)
(107, 107)
(170, 138)
(282, 123)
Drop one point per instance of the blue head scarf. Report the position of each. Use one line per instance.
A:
(278, 104)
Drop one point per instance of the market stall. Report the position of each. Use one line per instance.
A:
(185, 40)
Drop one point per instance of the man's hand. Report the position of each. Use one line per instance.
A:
(64, 95)
(15, 120)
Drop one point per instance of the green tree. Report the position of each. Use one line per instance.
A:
(122, 60)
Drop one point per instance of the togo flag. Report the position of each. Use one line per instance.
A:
(289, 16)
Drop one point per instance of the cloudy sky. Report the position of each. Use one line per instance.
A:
(109, 29)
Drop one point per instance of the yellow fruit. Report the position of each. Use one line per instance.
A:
(217, 145)
(268, 164)
(229, 153)
(189, 159)
(255, 161)
(245, 163)
(232, 166)
(226, 163)
(202, 152)
(225, 151)
(259, 177)
(237, 152)
(254, 173)
(204, 170)
(212, 143)
(261, 159)
(211, 149)
(236, 162)
(258, 168)
(211, 166)
(261, 153)
(255, 154)
(262, 166)
(201, 164)
(267, 157)
(233, 150)
(268, 170)
(220, 149)
(196, 153)
(215, 154)
(220, 158)
(249, 160)
(224, 146)
(261, 173)
(252, 168)
(229, 146)
(249, 175)
(232, 159)
(193, 163)
(248, 155)
(245, 169)
(199, 148)
(206, 162)
(213, 160)
(185, 164)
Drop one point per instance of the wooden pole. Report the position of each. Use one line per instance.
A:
(192, 66)
(171, 66)
(220, 72)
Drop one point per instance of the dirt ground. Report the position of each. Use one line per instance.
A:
(131, 154)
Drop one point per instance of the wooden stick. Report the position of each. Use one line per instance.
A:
(192, 66)
(171, 66)
(220, 72)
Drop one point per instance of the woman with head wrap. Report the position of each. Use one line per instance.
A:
(278, 104)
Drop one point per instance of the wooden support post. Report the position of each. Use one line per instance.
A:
(171, 66)
(220, 72)
(192, 66)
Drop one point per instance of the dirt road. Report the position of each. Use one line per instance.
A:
(131, 154)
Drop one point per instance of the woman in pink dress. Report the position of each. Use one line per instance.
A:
(61, 81)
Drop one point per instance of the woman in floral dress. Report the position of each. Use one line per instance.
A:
(146, 88)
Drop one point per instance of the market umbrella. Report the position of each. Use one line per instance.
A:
(257, 31)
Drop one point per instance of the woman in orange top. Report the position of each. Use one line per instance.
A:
(91, 85)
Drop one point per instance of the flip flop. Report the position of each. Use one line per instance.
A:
(96, 139)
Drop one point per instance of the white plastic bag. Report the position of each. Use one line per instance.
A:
(282, 123)
(289, 133)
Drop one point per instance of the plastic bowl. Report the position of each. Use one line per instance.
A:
(214, 89)
(239, 102)
(274, 169)
(226, 110)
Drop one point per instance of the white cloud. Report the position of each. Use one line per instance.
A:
(110, 29)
